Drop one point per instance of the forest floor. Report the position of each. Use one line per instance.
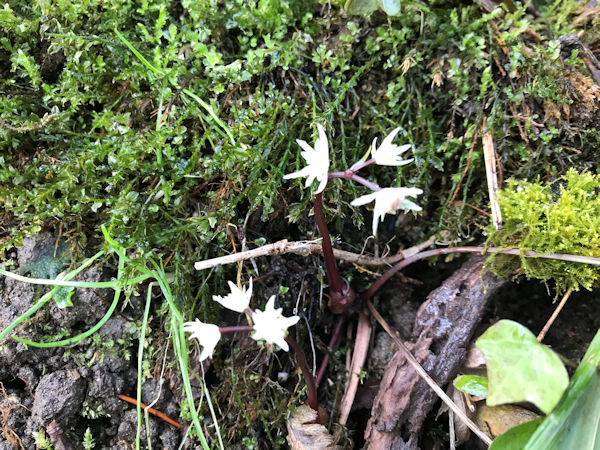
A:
(145, 138)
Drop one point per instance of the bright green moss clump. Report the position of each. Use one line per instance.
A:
(560, 217)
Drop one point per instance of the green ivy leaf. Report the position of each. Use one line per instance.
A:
(520, 369)
(472, 385)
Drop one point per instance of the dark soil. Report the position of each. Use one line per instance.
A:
(78, 387)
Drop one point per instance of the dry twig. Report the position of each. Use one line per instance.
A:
(359, 355)
(305, 248)
(489, 158)
(554, 315)
(153, 411)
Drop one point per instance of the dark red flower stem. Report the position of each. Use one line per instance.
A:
(335, 281)
(333, 343)
(342, 294)
(309, 379)
(235, 329)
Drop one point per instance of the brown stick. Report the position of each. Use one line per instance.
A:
(359, 355)
(481, 250)
(60, 228)
(489, 158)
(153, 411)
(305, 248)
(554, 315)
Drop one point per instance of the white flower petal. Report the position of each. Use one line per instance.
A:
(322, 184)
(317, 161)
(387, 201)
(207, 334)
(364, 199)
(407, 205)
(299, 174)
(271, 325)
(404, 148)
(307, 149)
(390, 137)
(388, 154)
(238, 300)
(321, 145)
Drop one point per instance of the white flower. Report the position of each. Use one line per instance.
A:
(388, 154)
(208, 336)
(317, 161)
(271, 326)
(238, 300)
(387, 201)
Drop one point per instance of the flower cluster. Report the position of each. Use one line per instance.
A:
(268, 325)
(387, 200)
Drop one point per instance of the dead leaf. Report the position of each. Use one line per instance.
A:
(304, 433)
(495, 420)
(474, 359)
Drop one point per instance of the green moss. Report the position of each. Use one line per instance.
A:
(186, 124)
(131, 147)
(561, 217)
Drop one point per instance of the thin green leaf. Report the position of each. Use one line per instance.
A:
(140, 364)
(516, 438)
(139, 55)
(211, 112)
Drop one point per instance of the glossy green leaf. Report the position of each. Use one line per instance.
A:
(472, 385)
(516, 438)
(575, 423)
(520, 369)
(361, 7)
(391, 7)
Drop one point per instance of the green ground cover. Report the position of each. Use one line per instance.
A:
(166, 122)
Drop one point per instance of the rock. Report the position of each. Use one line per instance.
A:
(59, 396)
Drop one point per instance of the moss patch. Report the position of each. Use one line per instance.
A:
(558, 217)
